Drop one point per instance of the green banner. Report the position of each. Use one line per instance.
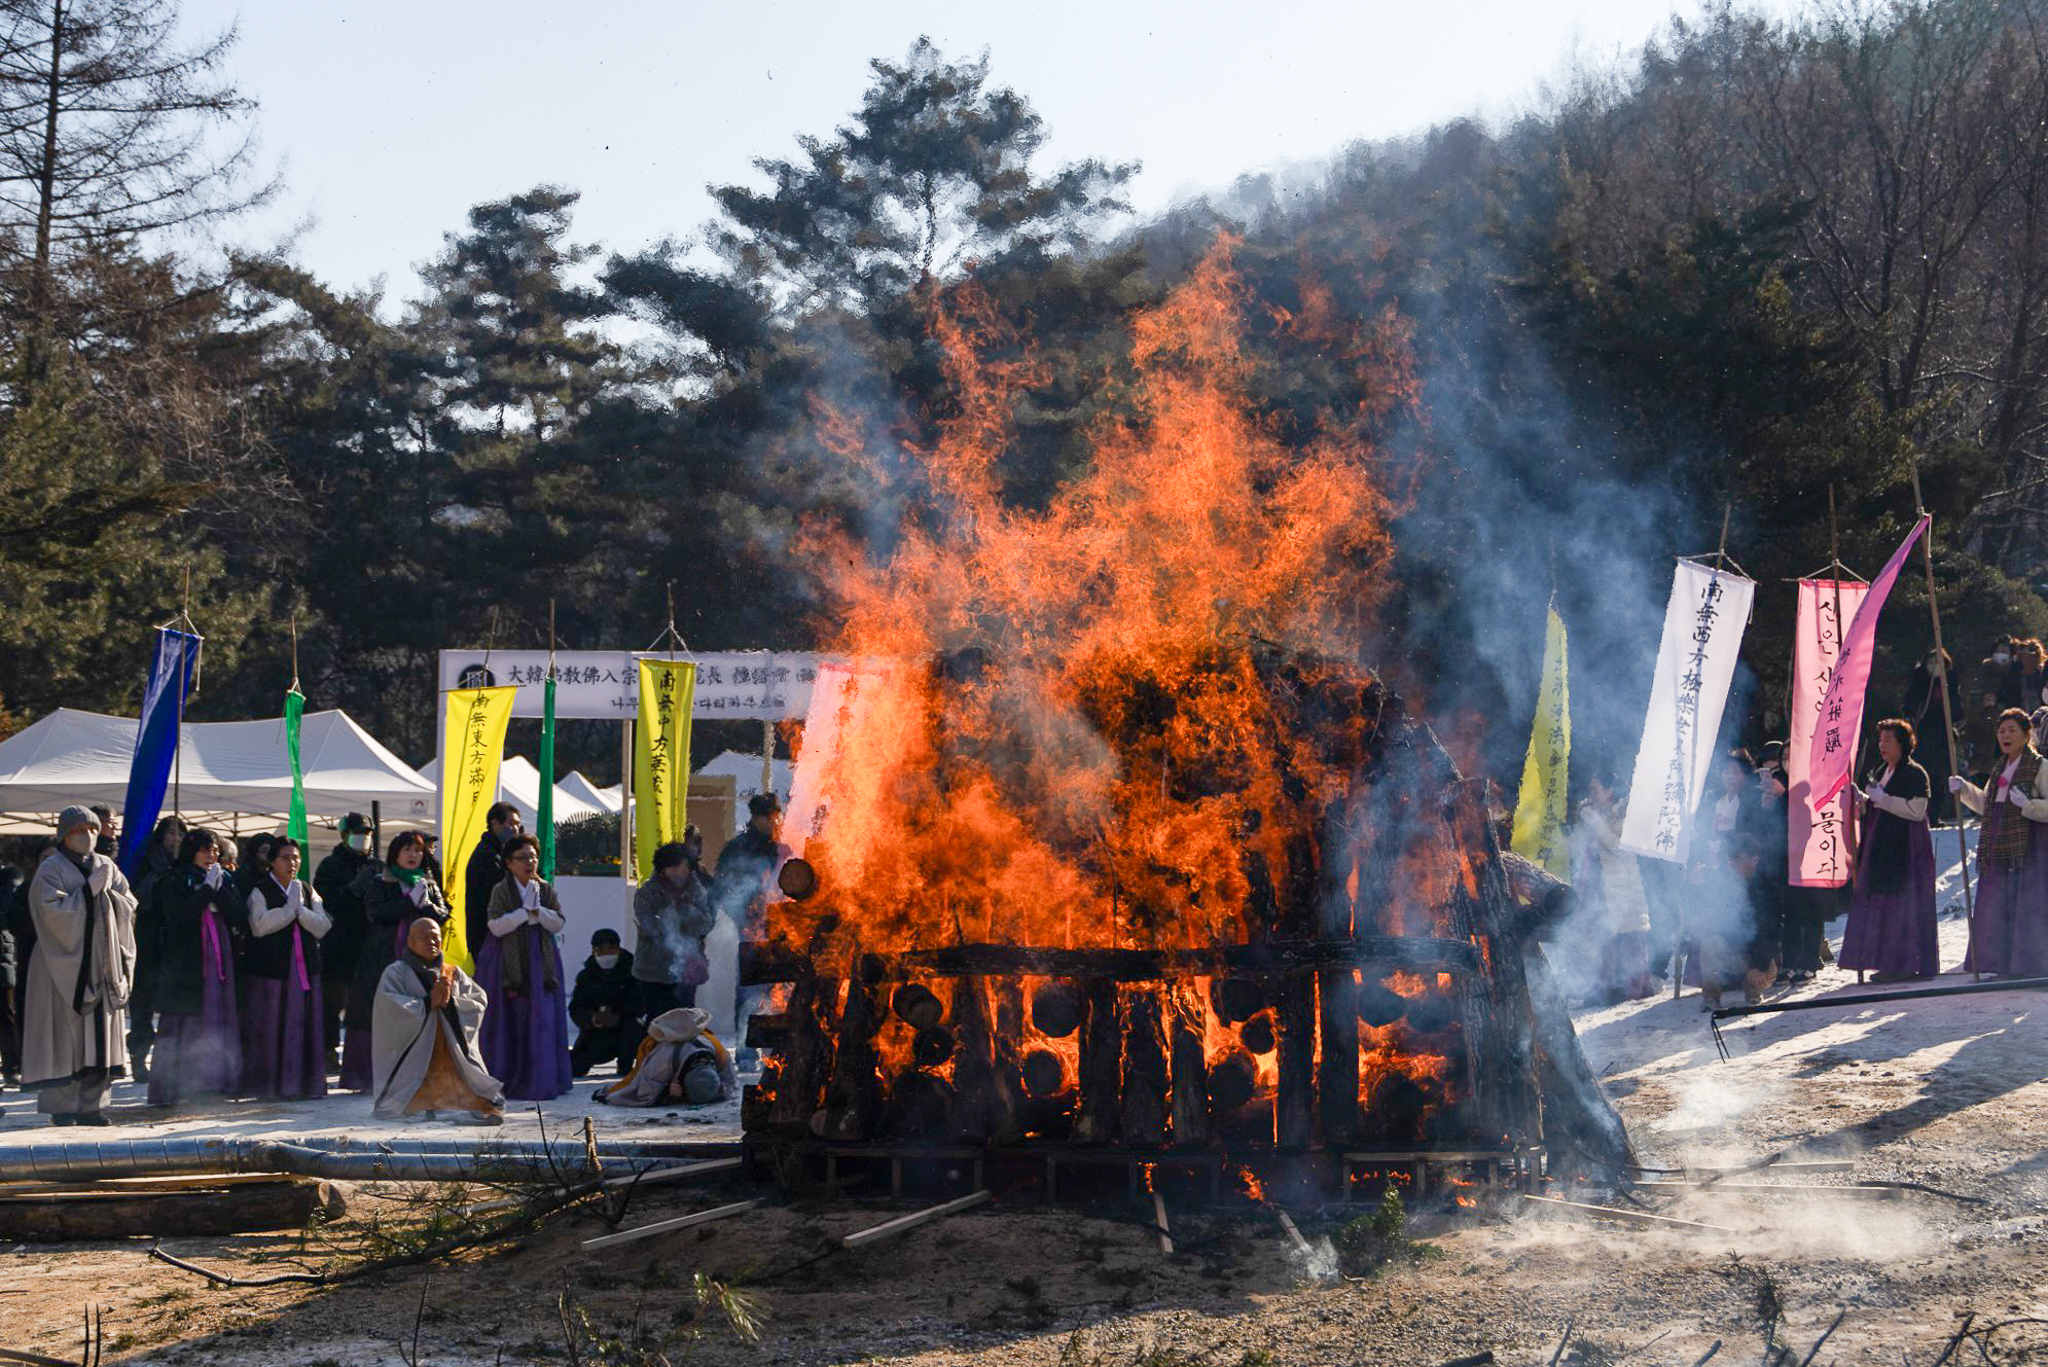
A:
(295, 824)
(544, 819)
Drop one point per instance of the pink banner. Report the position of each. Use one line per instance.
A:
(1819, 854)
(1841, 707)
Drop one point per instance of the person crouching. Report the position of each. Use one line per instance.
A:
(605, 1006)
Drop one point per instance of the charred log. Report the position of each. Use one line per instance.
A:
(918, 1006)
(1102, 1049)
(1144, 1082)
(1057, 1009)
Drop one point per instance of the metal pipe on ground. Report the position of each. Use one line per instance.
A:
(1868, 998)
(75, 1161)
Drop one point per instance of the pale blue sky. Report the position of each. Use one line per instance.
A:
(392, 117)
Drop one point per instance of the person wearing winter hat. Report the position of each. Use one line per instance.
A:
(75, 1022)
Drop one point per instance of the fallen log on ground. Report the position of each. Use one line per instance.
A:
(1628, 1216)
(904, 1223)
(247, 1208)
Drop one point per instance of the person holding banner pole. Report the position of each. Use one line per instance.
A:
(1891, 929)
(2009, 932)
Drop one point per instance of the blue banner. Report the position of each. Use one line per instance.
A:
(156, 740)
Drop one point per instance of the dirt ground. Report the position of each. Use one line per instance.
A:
(1950, 1094)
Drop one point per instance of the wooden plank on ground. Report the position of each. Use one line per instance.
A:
(1630, 1216)
(904, 1223)
(627, 1236)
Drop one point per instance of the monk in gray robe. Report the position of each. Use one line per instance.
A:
(423, 1038)
(74, 1023)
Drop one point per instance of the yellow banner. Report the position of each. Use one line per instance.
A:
(1540, 810)
(473, 743)
(661, 757)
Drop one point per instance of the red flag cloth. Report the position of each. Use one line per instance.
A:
(1841, 707)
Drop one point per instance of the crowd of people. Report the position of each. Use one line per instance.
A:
(1731, 916)
(221, 972)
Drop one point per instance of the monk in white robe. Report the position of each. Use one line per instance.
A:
(74, 1024)
(423, 1038)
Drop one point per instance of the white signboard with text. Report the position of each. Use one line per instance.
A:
(736, 685)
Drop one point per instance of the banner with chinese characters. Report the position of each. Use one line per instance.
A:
(1703, 626)
(661, 757)
(733, 685)
(472, 741)
(1833, 746)
(1820, 839)
(1540, 807)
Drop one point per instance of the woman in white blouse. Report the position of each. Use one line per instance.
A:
(2009, 936)
(284, 1047)
(525, 1035)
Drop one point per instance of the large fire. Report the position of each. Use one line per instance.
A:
(1135, 719)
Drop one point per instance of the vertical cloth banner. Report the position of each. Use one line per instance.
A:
(1841, 706)
(295, 820)
(1540, 807)
(544, 818)
(661, 756)
(1703, 626)
(1818, 833)
(171, 666)
(474, 741)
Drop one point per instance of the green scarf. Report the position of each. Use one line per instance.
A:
(407, 876)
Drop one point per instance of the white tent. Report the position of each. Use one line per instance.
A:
(235, 767)
(745, 770)
(519, 784)
(588, 793)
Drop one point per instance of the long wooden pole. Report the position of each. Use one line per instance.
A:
(1948, 720)
(1850, 832)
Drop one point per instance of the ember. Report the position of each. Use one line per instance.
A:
(1127, 848)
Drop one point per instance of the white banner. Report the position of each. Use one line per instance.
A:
(840, 706)
(733, 685)
(1703, 628)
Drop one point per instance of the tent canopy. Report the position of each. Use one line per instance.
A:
(519, 784)
(588, 793)
(226, 767)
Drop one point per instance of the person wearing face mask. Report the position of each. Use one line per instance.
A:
(284, 1055)
(400, 891)
(2009, 936)
(428, 1016)
(605, 1007)
(199, 1044)
(484, 871)
(342, 880)
(74, 1025)
(108, 841)
(1891, 912)
(519, 966)
(2025, 678)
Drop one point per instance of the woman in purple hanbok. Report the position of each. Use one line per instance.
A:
(199, 1030)
(1891, 912)
(284, 1033)
(519, 966)
(2009, 937)
(403, 891)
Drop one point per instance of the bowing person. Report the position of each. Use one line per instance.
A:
(403, 890)
(428, 1013)
(526, 1033)
(2009, 936)
(1891, 912)
(199, 1030)
(284, 1045)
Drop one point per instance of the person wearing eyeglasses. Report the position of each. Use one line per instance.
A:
(519, 967)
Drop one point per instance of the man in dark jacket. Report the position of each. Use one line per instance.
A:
(605, 1005)
(341, 881)
(485, 870)
(747, 864)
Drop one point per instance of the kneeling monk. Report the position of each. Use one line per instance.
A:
(423, 1036)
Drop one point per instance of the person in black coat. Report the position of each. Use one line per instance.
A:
(198, 912)
(158, 858)
(341, 881)
(484, 871)
(605, 1005)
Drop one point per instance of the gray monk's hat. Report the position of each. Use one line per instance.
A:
(71, 818)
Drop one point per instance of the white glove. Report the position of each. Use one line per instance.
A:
(293, 899)
(102, 874)
(1856, 794)
(1955, 783)
(215, 875)
(417, 893)
(2015, 796)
